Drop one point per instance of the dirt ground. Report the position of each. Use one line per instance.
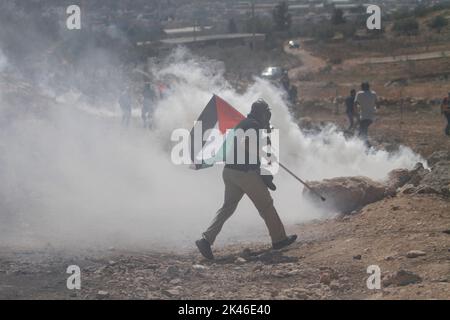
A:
(329, 261)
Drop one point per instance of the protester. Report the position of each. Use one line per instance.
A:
(293, 95)
(445, 110)
(148, 105)
(125, 102)
(367, 102)
(246, 179)
(350, 108)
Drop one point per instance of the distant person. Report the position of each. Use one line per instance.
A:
(147, 105)
(285, 82)
(350, 108)
(125, 102)
(366, 99)
(162, 90)
(445, 110)
(293, 95)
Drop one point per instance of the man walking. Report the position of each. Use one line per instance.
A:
(246, 179)
(367, 102)
(125, 105)
(147, 106)
(445, 110)
(350, 108)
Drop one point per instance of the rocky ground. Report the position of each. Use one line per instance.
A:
(404, 231)
(408, 237)
(405, 234)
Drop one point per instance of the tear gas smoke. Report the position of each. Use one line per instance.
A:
(71, 175)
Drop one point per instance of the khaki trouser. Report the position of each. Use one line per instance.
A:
(238, 183)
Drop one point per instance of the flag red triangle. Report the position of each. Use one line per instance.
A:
(227, 116)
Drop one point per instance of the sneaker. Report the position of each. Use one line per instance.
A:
(205, 249)
(284, 243)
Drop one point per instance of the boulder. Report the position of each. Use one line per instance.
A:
(401, 278)
(401, 177)
(443, 155)
(347, 194)
(439, 178)
(415, 254)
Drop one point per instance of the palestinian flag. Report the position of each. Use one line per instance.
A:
(210, 132)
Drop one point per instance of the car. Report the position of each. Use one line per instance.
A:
(294, 44)
(273, 73)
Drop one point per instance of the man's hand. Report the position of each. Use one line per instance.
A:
(268, 180)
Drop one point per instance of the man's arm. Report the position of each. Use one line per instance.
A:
(357, 105)
(444, 106)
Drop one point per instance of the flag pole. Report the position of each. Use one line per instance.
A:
(302, 182)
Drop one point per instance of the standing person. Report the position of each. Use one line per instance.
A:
(350, 108)
(147, 105)
(367, 102)
(445, 110)
(285, 82)
(125, 102)
(245, 178)
(293, 95)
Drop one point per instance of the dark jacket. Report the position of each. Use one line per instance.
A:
(249, 123)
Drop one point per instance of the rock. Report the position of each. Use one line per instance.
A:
(199, 267)
(334, 285)
(280, 274)
(325, 278)
(438, 180)
(389, 258)
(401, 177)
(246, 253)
(240, 260)
(152, 296)
(152, 266)
(415, 253)
(401, 278)
(357, 257)
(175, 281)
(295, 293)
(171, 271)
(443, 155)
(174, 292)
(102, 294)
(407, 189)
(347, 194)
(100, 270)
(425, 189)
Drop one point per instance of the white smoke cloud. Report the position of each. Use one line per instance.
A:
(3, 61)
(77, 177)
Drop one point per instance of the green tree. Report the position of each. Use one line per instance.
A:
(282, 17)
(438, 23)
